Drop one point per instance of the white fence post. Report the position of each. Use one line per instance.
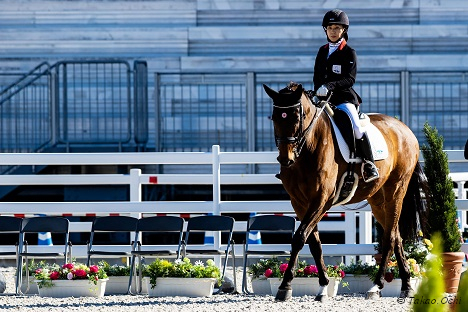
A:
(365, 231)
(216, 196)
(135, 192)
(350, 231)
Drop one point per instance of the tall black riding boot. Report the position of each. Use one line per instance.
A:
(368, 169)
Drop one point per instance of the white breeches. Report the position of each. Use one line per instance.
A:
(351, 110)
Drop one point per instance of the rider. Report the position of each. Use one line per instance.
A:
(335, 71)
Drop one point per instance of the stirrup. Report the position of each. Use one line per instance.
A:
(371, 174)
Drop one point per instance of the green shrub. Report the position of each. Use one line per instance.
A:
(442, 209)
(461, 303)
(431, 291)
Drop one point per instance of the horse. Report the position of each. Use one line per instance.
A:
(310, 167)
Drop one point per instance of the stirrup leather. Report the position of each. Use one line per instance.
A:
(371, 174)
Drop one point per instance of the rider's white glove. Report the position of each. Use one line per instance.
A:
(322, 91)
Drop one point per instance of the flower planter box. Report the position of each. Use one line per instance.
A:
(356, 284)
(73, 288)
(261, 286)
(393, 289)
(309, 286)
(179, 286)
(118, 285)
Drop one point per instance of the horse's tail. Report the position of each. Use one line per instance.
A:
(415, 207)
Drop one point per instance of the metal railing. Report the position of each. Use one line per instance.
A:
(194, 111)
(105, 103)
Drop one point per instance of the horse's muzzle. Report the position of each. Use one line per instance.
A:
(285, 162)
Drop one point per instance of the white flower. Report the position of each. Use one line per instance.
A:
(199, 263)
(178, 261)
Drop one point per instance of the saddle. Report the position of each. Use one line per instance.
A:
(345, 126)
(344, 134)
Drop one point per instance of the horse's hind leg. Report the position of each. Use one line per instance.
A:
(315, 247)
(405, 275)
(389, 222)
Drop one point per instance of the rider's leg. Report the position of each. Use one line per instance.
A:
(369, 170)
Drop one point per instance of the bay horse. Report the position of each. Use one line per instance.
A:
(311, 165)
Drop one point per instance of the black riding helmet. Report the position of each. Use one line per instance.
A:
(336, 17)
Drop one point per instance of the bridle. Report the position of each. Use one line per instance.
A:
(299, 137)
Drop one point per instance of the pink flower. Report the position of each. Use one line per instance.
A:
(283, 267)
(68, 266)
(70, 276)
(38, 271)
(80, 273)
(93, 269)
(268, 273)
(54, 275)
(342, 274)
(310, 269)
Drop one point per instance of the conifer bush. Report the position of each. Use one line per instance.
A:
(442, 215)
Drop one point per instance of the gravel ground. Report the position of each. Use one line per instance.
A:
(221, 303)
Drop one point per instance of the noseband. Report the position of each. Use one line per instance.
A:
(299, 137)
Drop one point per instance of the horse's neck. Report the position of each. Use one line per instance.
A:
(321, 133)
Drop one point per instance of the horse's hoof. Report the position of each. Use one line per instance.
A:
(283, 294)
(321, 298)
(373, 295)
(407, 293)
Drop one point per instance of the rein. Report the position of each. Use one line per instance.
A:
(299, 139)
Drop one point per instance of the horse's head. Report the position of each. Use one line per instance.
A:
(290, 120)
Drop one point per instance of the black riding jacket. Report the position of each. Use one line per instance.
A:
(337, 73)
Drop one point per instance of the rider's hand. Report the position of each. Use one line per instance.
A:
(322, 91)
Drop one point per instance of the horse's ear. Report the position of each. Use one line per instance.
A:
(271, 93)
(298, 91)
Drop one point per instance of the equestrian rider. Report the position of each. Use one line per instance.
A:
(335, 71)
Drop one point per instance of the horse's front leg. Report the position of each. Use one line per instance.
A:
(315, 247)
(300, 236)
(388, 242)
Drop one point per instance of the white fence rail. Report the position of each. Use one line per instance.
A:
(136, 207)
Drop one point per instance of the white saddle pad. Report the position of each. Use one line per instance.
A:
(377, 141)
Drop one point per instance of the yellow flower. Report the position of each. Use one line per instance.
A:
(420, 233)
(428, 243)
(392, 264)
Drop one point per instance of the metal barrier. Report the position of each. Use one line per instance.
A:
(216, 159)
(104, 103)
(196, 110)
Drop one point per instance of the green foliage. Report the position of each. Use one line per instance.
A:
(258, 269)
(358, 268)
(461, 302)
(432, 286)
(115, 270)
(33, 266)
(181, 268)
(442, 208)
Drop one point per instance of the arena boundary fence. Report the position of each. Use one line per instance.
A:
(352, 247)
